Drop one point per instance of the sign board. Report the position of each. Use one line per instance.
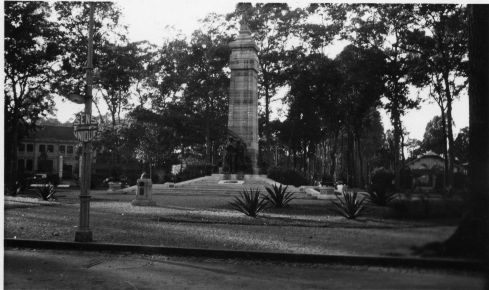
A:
(85, 128)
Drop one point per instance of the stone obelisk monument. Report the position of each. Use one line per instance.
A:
(243, 94)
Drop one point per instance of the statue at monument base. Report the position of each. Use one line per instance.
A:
(235, 158)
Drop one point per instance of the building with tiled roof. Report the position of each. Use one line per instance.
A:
(51, 149)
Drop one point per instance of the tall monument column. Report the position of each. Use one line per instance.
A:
(243, 93)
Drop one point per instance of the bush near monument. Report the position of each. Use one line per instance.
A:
(194, 171)
(381, 190)
(287, 176)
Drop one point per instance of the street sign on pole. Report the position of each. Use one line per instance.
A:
(83, 233)
(85, 128)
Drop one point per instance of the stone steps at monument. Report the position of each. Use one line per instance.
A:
(203, 190)
(209, 185)
(214, 192)
(215, 187)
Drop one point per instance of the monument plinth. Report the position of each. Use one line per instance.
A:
(243, 105)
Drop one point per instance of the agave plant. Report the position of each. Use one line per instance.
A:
(250, 202)
(278, 196)
(349, 204)
(46, 192)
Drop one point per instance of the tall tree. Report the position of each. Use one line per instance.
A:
(72, 19)
(171, 73)
(119, 67)
(384, 27)
(472, 235)
(311, 86)
(150, 138)
(440, 41)
(434, 138)
(461, 145)
(363, 73)
(30, 49)
(192, 80)
(206, 92)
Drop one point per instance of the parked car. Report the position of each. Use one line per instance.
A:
(40, 179)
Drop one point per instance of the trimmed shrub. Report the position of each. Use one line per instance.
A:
(460, 180)
(327, 180)
(381, 198)
(97, 180)
(278, 196)
(287, 176)
(406, 178)
(381, 190)
(427, 208)
(349, 204)
(195, 171)
(250, 202)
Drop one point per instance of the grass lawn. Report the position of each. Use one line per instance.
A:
(207, 221)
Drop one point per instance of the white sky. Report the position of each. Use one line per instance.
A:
(147, 19)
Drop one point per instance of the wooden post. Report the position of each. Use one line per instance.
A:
(84, 234)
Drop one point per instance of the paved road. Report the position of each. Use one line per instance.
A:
(47, 269)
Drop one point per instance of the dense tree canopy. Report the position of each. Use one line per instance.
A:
(332, 122)
(434, 136)
(30, 49)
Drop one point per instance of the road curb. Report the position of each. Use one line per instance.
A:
(402, 262)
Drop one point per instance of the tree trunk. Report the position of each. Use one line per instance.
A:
(350, 160)
(403, 158)
(332, 154)
(396, 122)
(208, 142)
(266, 152)
(449, 131)
(471, 236)
(445, 148)
(360, 160)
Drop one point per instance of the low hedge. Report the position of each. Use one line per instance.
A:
(287, 176)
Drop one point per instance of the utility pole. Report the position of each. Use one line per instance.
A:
(84, 234)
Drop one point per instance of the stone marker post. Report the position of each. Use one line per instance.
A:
(144, 192)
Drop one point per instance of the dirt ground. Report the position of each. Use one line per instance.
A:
(35, 269)
(206, 221)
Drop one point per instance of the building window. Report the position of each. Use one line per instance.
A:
(62, 149)
(21, 147)
(70, 149)
(50, 148)
(28, 165)
(21, 164)
(42, 148)
(30, 147)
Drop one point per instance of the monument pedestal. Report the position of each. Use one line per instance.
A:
(83, 236)
(144, 193)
